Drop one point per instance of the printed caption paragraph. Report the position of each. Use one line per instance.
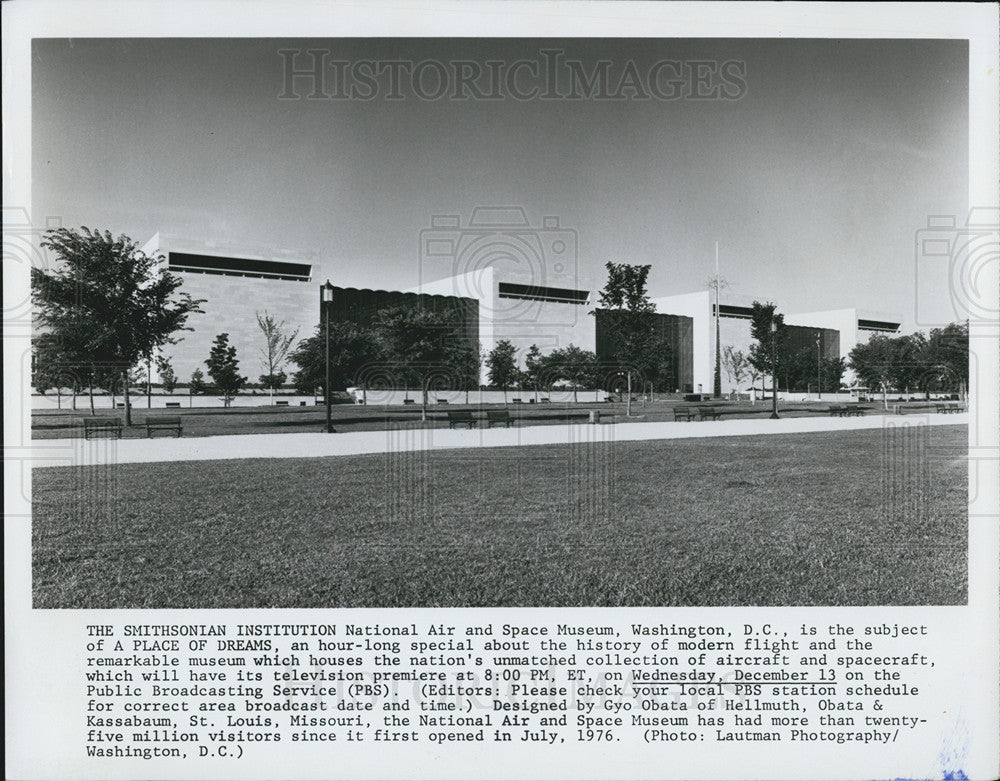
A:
(230, 690)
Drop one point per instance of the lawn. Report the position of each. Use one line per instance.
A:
(214, 421)
(866, 517)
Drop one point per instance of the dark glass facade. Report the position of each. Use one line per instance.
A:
(362, 306)
(676, 330)
(800, 337)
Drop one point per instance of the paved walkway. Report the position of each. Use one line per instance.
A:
(68, 452)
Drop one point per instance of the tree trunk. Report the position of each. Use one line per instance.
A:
(423, 406)
(628, 395)
(149, 383)
(128, 406)
(74, 390)
(91, 393)
(58, 397)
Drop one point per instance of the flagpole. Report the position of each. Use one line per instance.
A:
(717, 385)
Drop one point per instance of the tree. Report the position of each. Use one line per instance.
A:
(277, 343)
(53, 364)
(909, 364)
(533, 368)
(736, 364)
(141, 376)
(467, 361)
(571, 364)
(113, 302)
(502, 366)
(631, 322)
(196, 386)
(168, 380)
(874, 363)
(45, 362)
(273, 382)
(423, 342)
(353, 349)
(224, 368)
(945, 359)
(935, 362)
(832, 374)
(800, 370)
(761, 317)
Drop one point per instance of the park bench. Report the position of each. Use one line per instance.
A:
(710, 413)
(176, 404)
(163, 423)
(458, 417)
(516, 401)
(409, 401)
(946, 407)
(102, 426)
(845, 411)
(497, 416)
(281, 404)
(685, 413)
(543, 400)
(442, 401)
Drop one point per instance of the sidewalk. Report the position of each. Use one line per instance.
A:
(70, 452)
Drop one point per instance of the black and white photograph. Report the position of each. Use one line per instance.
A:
(500, 323)
(501, 390)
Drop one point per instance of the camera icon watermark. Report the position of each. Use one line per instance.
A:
(962, 258)
(517, 272)
(22, 250)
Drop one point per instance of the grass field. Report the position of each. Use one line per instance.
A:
(213, 421)
(866, 517)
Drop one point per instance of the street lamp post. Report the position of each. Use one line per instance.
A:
(774, 370)
(326, 298)
(819, 365)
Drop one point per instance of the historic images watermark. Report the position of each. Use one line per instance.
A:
(318, 74)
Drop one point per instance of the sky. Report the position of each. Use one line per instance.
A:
(813, 163)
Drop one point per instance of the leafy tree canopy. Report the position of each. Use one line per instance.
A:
(761, 317)
(352, 348)
(224, 368)
(109, 296)
(501, 364)
(108, 302)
